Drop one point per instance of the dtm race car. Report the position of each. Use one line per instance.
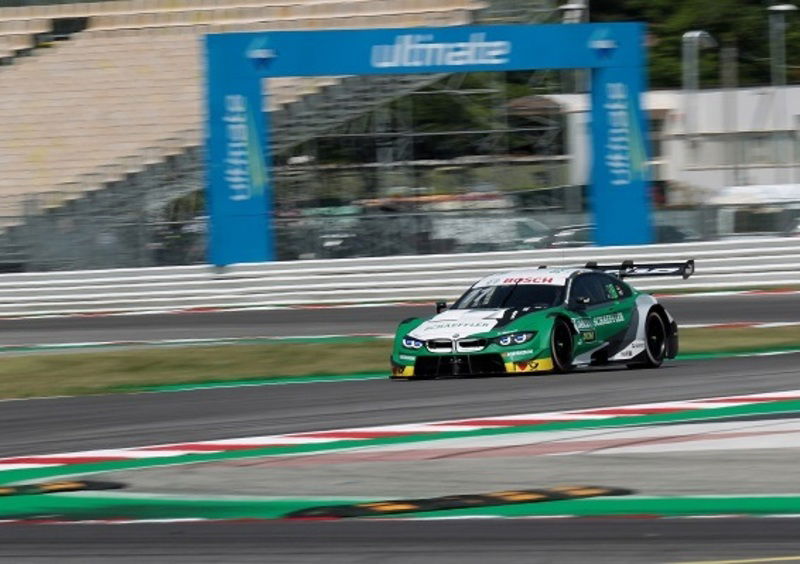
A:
(542, 319)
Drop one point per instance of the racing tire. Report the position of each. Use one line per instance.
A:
(655, 342)
(561, 347)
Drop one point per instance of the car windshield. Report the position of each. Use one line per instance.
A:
(535, 296)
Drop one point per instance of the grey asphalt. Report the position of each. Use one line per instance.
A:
(289, 322)
(122, 420)
(409, 474)
(69, 424)
(601, 541)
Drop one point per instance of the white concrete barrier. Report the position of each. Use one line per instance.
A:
(763, 262)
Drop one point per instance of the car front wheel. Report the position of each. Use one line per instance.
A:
(561, 347)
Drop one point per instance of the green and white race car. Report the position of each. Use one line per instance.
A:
(542, 319)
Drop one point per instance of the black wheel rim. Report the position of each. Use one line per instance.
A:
(561, 344)
(656, 338)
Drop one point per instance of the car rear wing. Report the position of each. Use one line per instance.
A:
(629, 269)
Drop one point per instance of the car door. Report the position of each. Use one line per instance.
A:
(620, 305)
(604, 306)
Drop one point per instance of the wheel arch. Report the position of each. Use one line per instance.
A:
(671, 327)
(566, 319)
(567, 364)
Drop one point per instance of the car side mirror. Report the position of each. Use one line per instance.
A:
(580, 303)
(441, 306)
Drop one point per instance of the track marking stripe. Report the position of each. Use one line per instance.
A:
(745, 561)
(177, 450)
(24, 466)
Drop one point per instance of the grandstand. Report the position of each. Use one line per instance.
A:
(102, 110)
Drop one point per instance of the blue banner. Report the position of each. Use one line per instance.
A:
(239, 199)
(239, 194)
(620, 188)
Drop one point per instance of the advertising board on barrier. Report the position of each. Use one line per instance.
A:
(239, 193)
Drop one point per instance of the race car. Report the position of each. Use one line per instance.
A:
(542, 320)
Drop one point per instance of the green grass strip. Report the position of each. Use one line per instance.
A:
(711, 355)
(173, 367)
(318, 378)
(277, 381)
(114, 506)
(176, 343)
(29, 474)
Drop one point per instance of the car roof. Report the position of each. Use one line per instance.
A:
(542, 276)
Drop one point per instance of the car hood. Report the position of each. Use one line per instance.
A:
(457, 323)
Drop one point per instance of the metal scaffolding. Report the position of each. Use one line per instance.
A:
(155, 216)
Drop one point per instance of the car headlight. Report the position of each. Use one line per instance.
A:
(412, 343)
(515, 338)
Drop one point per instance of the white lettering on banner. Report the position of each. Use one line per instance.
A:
(421, 51)
(618, 144)
(237, 173)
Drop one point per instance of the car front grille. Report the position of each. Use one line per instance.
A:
(464, 345)
(440, 345)
(471, 345)
(459, 365)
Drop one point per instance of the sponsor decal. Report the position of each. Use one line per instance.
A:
(642, 270)
(407, 357)
(631, 350)
(618, 143)
(440, 325)
(512, 354)
(259, 52)
(522, 366)
(529, 280)
(245, 170)
(608, 319)
(588, 336)
(602, 44)
(420, 50)
(402, 371)
(583, 324)
(625, 154)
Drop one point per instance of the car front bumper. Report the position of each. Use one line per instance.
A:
(468, 365)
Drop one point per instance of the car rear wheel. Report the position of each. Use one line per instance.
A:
(655, 341)
(561, 347)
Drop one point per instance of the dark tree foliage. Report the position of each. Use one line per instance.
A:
(743, 23)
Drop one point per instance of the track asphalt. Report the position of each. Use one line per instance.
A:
(337, 321)
(113, 421)
(65, 424)
(601, 541)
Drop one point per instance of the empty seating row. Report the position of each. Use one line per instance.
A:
(113, 100)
